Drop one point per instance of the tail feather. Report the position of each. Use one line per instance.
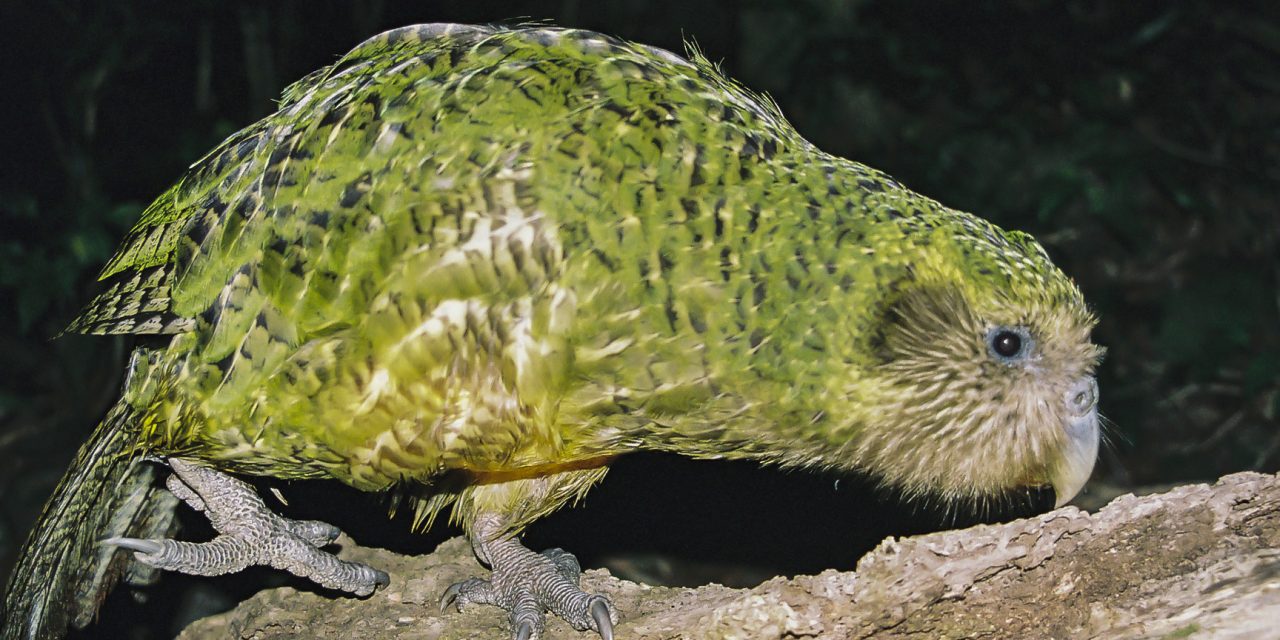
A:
(64, 572)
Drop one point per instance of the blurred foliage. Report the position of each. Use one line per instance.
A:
(1139, 141)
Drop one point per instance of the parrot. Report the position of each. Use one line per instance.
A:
(474, 265)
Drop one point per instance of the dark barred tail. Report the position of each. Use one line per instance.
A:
(64, 572)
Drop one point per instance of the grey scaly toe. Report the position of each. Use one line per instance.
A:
(248, 534)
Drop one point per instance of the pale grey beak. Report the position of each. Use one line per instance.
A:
(1081, 451)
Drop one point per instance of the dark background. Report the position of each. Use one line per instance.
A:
(1140, 142)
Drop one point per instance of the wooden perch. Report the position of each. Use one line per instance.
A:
(1199, 561)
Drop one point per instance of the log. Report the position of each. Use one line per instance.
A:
(1200, 561)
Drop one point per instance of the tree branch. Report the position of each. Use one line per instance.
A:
(1200, 561)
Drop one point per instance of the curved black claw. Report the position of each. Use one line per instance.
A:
(148, 547)
(452, 594)
(524, 631)
(449, 596)
(471, 590)
(602, 614)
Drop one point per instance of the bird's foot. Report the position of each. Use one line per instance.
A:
(528, 584)
(248, 534)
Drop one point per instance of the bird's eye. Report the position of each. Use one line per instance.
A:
(1008, 343)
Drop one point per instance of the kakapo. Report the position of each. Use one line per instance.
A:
(503, 257)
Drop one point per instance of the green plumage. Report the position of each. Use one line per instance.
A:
(476, 249)
(507, 256)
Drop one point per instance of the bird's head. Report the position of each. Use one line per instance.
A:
(982, 374)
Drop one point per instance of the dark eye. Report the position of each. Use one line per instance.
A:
(1008, 343)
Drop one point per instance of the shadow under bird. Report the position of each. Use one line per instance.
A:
(477, 264)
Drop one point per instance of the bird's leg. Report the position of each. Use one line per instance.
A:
(248, 534)
(527, 584)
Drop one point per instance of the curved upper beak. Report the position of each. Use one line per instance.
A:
(1080, 450)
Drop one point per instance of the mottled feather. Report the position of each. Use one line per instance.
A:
(488, 260)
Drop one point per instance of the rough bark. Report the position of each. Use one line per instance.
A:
(1199, 561)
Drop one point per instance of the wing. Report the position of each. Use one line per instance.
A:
(139, 277)
(211, 217)
(338, 265)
